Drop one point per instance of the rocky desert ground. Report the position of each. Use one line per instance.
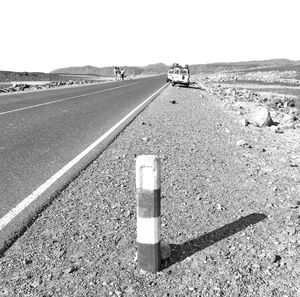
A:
(230, 152)
(11, 82)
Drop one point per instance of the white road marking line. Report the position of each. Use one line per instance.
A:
(41, 189)
(59, 100)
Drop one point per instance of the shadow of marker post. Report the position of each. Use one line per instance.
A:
(179, 252)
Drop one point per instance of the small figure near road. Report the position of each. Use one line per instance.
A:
(117, 73)
(122, 71)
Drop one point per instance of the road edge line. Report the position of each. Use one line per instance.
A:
(13, 213)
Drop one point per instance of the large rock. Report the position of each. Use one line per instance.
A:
(262, 118)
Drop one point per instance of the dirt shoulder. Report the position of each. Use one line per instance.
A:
(230, 212)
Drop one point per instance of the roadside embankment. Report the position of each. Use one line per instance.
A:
(284, 77)
(230, 211)
(13, 87)
(244, 99)
(21, 86)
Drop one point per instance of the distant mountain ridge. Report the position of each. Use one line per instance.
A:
(108, 71)
(263, 65)
(159, 68)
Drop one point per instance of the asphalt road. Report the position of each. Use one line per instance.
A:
(42, 131)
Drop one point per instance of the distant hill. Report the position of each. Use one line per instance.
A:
(108, 71)
(263, 65)
(156, 68)
(8, 76)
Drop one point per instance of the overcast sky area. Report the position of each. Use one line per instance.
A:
(43, 35)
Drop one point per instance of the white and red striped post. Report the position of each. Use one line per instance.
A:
(148, 212)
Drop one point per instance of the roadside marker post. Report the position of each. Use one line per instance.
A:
(148, 171)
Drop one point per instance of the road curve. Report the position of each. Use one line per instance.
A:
(43, 131)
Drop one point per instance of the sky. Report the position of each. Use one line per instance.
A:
(43, 35)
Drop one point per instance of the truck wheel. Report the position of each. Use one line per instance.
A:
(173, 84)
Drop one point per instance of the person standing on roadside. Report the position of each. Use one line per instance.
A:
(116, 73)
(122, 73)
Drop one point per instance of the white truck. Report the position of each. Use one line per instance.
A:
(170, 74)
(181, 76)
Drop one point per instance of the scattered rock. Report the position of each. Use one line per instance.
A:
(297, 268)
(290, 231)
(20, 87)
(71, 269)
(244, 122)
(276, 129)
(294, 204)
(219, 207)
(35, 283)
(273, 258)
(262, 118)
(4, 292)
(215, 253)
(259, 76)
(289, 118)
(27, 261)
(288, 125)
(242, 143)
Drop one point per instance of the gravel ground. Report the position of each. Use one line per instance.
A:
(15, 82)
(230, 213)
(8, 76)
